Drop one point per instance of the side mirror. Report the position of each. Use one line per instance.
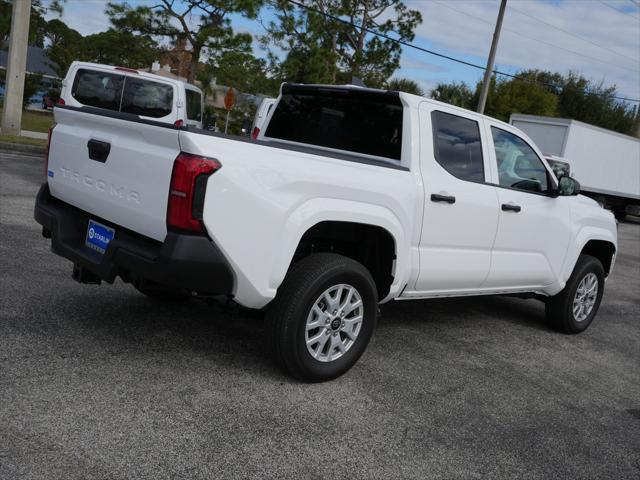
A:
(568, 186)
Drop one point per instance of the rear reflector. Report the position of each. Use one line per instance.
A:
(187, 190)
(255, 133)
(46, 155)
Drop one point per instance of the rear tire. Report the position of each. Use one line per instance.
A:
(322, 317)
(574, 308)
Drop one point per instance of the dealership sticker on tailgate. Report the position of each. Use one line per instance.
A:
(98, 236)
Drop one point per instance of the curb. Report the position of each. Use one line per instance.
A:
(18, 147)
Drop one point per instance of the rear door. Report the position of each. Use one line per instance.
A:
(461, 206)
(115, 165)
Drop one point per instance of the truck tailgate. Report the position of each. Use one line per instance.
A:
(116, 169)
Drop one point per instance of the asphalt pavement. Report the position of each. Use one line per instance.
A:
(100, 382)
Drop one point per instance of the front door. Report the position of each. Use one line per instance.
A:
(534, 228)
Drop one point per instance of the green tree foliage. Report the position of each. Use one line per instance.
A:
(63, 45)
(404, 85)
(324, 50)
(5, 22)
(509, 95)
(121, 48)
(588, 101)
(32, 84)
(173, 20)
(547, 93)
(37, 23)
(242, 71)
(458, 94)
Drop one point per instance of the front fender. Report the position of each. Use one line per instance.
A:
(584, 235)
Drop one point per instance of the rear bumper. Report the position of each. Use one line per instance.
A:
(182, 261)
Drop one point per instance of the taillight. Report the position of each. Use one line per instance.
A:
(187, 190)
(255, 133)
(46, 155)
(179, 123)
(61, 101)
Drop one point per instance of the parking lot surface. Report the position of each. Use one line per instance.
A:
(102, 382)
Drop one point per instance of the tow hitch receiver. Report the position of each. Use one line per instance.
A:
(82, 275)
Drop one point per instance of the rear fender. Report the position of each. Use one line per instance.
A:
(319, 210)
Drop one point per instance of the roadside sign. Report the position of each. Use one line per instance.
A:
(229, 99)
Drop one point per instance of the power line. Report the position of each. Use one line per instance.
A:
(537, 39)
(431, 52)
(511, 7)
(619, 11)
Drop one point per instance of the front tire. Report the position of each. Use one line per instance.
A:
(574, 308)
(323, 317)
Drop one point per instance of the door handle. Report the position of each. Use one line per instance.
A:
(98, 151)
(509, 207)
(436, 197)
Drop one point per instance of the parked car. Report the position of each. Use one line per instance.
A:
(47, 101)
(261, 115)
(350, 197)
(124, 90)
(37, 99)
(606, 163)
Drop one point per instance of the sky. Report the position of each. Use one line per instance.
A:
(597, 38)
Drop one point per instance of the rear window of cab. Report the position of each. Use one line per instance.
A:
(350, 120)
(124, 94)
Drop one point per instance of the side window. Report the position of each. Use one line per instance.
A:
(194, 105)
(146, 98)
(457, 146)
(518, 165)
(98, 89)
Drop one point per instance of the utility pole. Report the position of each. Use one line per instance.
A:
(16, 65)
(492, 56)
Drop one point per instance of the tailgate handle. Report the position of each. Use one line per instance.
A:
(98, 151)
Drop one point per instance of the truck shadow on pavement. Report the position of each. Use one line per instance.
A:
(123, 322)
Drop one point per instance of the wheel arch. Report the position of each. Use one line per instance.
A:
(370, 245)
(602, 250)
(356, 230)
(597, 242)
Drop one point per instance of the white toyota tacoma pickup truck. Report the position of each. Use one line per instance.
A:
(349, 197)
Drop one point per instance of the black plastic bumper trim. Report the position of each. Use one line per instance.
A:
(182, 261)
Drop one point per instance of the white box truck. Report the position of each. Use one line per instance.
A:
(606, 163)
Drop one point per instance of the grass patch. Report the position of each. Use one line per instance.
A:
(23, 140)
(36, 121)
